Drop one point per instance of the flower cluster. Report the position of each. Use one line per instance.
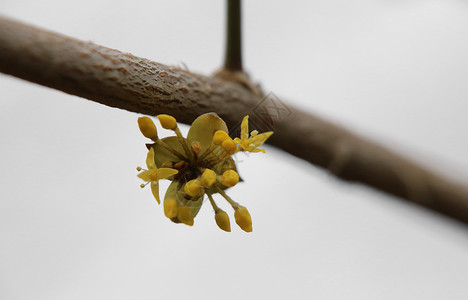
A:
(200, 164)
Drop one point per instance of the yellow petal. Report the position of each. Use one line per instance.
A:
(164, 173)
(150, 159)
(145, 175)
(256, 150)
(203, 129)
(245, 128)
(259, 139)
(155, 190)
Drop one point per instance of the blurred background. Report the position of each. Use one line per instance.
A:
(74, 223)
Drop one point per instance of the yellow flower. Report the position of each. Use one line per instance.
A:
(255, 140)
(198, 165)
(153, 174)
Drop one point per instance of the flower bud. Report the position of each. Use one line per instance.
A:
(219, 137)
(208, 178)
(170, 208)
(193, 188)
(147, 128)
(229, 146)
(229, 178)
(167, 122)
(243, 218)
(222, 219)
(185, 216)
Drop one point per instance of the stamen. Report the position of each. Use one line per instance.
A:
(196, 147)
(169, 122)
(180, 165)
(167, 164)
(207, 151)
(184, 144)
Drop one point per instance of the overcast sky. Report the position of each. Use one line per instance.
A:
(74, 223)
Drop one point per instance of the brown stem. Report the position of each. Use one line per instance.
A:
(233, 59)
(136, 84)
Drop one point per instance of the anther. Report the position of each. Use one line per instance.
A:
(196, 147)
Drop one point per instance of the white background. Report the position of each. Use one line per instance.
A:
(75, 225)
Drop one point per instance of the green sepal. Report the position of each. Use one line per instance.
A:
(203, 129)
(162, 155)
(173, 191)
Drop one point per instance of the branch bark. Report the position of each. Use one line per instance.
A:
(139, 85)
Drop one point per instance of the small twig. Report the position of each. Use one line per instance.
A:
(233, 60)
(136, 84)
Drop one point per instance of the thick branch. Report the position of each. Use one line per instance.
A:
(136, 84)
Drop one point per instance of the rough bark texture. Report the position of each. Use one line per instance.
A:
(136, 84)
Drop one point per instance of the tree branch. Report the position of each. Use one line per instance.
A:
(136, 84)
